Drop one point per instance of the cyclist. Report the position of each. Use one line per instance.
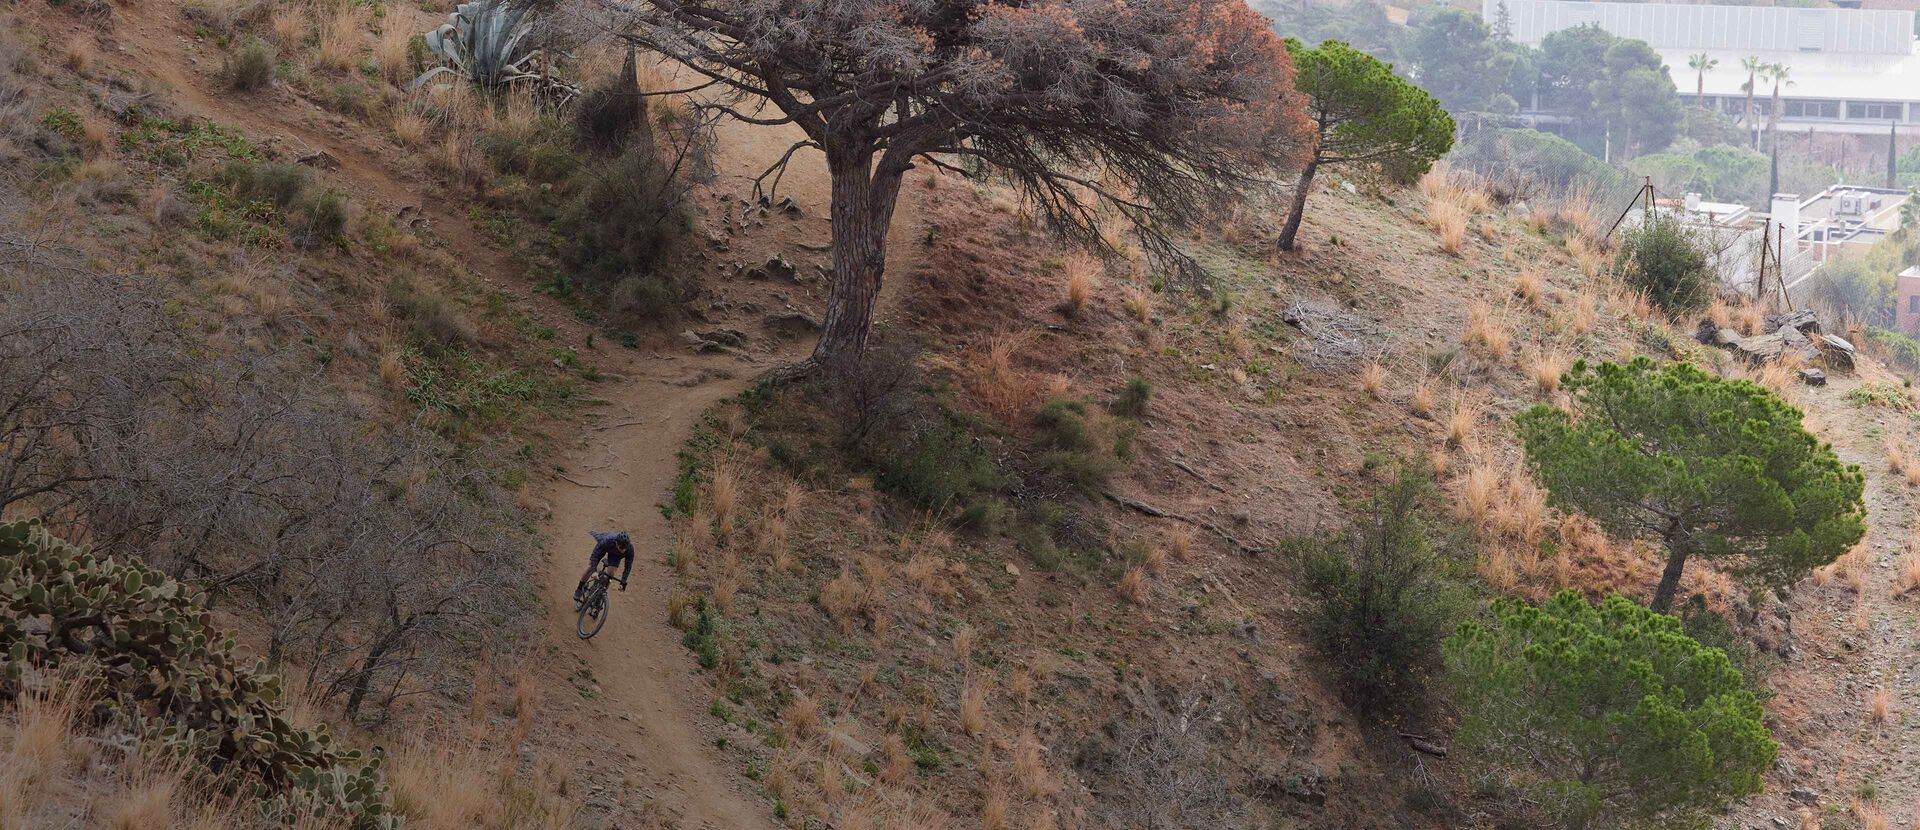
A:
(609, 549)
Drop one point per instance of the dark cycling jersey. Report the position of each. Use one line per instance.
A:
(614, 549)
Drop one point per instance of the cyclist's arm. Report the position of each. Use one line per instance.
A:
(624, 572)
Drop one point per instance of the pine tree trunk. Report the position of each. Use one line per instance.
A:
(1670, 578)
(861, 212)
(1292, 228)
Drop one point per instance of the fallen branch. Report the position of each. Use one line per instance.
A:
(1144, 508)
(564, 477)
(1420, 743)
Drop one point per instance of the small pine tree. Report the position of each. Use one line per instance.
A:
(1607, 715)
(1710, 466)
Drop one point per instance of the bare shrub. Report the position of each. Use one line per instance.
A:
(1165, 764)
(232, 471)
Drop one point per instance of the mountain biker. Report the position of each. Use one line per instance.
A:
(609, 549)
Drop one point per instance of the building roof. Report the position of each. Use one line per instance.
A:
(1852, 77)
(1863, 208)
(1737, 28)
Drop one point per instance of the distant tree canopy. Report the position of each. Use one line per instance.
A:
(1523, 161)
(1157, 110)
(1711, 467)
(1607, 715)
(1365, 118)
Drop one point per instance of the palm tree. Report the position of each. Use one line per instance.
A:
(1752, 64)
(1777, 73)
(1701, 65)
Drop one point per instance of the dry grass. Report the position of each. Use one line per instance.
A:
(1449, 221)
(1485, 332)
(1180, 542)
(1081, 272)
(1585, 314)
(409, 127)
(1589, 256)
(841, 599)
(973, 708)
(1475, 493)
(78, 55)
(1752, 317)
(1133, 586)
(1422, 401)
(337, 44)
(1137, 302)
(963, 644)
(1896, 457)
(801, 718)
(1908, 578)
(1721, 314)
(391, 50)
(1030, 768)
(1548, 370)
(1373, 380)
(1462, 422)
(288, 25)
(436, 787)
(723, 494)
(1879, 705)
(1530, 286)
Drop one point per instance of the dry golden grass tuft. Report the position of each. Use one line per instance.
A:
(1138, 303)
(1030, 768)
(1475, 493)
(1133, 585)
(1548, 370)
(1081, 271)
(409, 127)
(1530, 286)
(1373, 380)
(1449, 220)
(899, 767)
(1180, 542)
(963, 644)
(973, 708)
(1908, 578)
(337, 44)
(1869, 816)
(1896, 456)
(436, 787)
(1486, 332)
(840, 598)
(391, 50)
(997, 383)
(723, 494)
(1721, 314)
(1463, 421)
(1585, 313)
(1590, 257)
(78, 54)
(1879, 705)
(1752, 317)
(1422, 401)
(801, 718)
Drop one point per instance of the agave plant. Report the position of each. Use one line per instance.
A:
(485, 42)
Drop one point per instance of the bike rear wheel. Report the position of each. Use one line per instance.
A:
(593, 613)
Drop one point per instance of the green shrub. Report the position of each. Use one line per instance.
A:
(1662, 258)
(436, 323)
(939, 465)
(1132, 401)
(1606, 715)
(250, 67)
(271, 183)
(623, 219)
(611, 113)
(1078, 450)
(320, 218)
(1380, 598)
(168, 669)
(1903, 350)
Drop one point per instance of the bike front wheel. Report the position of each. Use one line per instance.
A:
(593, 615)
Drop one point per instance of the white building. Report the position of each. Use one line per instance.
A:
(1851, 70)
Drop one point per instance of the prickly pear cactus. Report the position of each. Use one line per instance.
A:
(166, 667)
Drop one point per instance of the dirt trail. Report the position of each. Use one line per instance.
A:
(621, 471)
(1847, 645)
(651, 704)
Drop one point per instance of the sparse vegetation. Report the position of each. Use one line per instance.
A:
(1661, 258)
(1382, 597)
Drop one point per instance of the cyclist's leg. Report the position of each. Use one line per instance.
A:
(593, 562)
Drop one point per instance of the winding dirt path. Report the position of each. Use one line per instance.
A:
(650, 704)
